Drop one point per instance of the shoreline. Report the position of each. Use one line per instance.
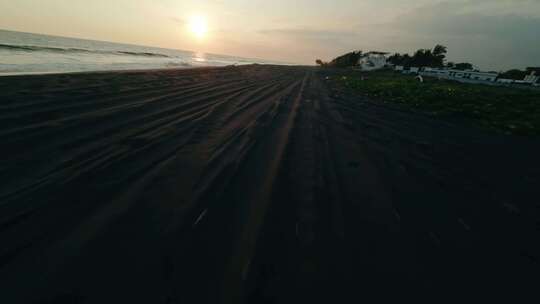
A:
(114, 71)
(30, 53)
(146, 70)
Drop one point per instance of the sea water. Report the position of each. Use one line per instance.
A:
(25, 53)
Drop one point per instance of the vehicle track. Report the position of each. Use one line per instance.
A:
(251, 184)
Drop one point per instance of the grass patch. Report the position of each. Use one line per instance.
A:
(512, 110)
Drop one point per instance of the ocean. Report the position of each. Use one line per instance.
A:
(25, 53)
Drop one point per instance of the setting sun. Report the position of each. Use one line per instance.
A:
(198, 26)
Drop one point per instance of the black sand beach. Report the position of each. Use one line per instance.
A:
(253, 184)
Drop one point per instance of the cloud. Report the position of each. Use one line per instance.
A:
(323, 40)
(306, 44)
(307, 33)
(492, 34)
(444, 20)
(179, 21)
(489, 34)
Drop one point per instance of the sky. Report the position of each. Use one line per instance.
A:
(492, 34)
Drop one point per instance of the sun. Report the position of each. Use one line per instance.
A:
(198, 26)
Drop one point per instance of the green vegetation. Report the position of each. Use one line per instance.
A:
(421, 58)
(347, 60)
(519, 74)
(428, 58)
(512, 110)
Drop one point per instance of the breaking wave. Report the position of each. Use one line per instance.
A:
(35, 48)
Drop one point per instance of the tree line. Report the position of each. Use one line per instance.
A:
(516, 74)
(435, 58)
(421, 58)
(347, 60)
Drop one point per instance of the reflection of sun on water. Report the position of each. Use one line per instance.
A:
(198, 26)
(199, 57)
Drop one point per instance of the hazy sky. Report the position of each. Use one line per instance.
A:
(493, 34)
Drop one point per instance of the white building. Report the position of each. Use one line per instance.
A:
(372, 61)
(532, 78)
(506, 81)
(459, 74)
(473, 75)
(410, 70)
(434, 72)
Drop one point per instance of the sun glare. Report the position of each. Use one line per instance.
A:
(198, 26)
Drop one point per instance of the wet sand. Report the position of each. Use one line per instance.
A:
(253, 184)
